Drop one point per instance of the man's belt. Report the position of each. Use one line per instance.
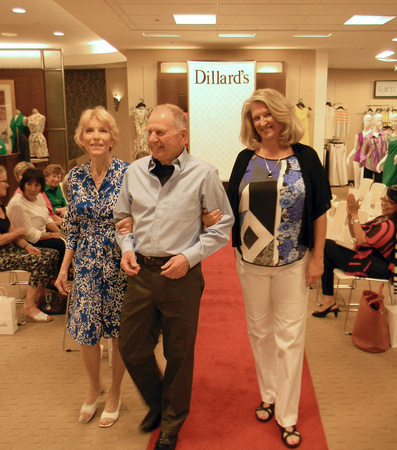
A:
(152, 260)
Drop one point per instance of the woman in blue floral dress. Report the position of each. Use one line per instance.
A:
(99, 283)
(279, 193)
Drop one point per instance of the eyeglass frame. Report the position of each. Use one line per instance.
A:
(388, 202)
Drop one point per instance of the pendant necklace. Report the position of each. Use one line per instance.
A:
(274, 168)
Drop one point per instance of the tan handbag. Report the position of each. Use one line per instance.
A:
(370, 331)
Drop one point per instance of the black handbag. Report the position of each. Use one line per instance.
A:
(53, 303)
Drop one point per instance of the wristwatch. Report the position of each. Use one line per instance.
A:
(353, 221)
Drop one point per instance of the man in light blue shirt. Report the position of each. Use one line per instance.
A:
(165, 194)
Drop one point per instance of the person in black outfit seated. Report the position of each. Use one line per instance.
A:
(373, 254)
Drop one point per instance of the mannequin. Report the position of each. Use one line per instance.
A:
(389, 162)
(141, 114)
(373, 150)
(18, 126)
(356, 152)
(37, 141)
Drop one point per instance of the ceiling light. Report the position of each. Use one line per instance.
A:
(161, 35)
(173, 67)
(312, 35)
(19, 10)
(385, 54)
(195, 19)
(269, 67)
(236, 35)
(58, 33)
(395, 39)
(9, 34)
(386, 59)
(21, 46)
(369, 20)
(102, 46)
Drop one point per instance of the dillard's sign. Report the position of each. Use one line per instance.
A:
(215, 77)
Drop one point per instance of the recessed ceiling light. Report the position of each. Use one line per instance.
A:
(162, 35)
(386, 59)
(236, 35)
(195, 19)
(58, 33)
(19, 10)
(395, 39)
(9, 34)
(312, 35)
(385, 54)
(369, 20)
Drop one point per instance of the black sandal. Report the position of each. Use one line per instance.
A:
(269, 410)
(286, 434)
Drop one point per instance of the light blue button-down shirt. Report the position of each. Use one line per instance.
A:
(167, 219)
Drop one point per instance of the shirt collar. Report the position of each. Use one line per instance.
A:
(180, 161)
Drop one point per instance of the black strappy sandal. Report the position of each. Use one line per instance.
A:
(269, 410)
(286, 434)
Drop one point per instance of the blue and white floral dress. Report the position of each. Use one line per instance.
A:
(270, 228)
(99, 283)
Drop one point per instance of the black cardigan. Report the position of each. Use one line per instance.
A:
(317, 197)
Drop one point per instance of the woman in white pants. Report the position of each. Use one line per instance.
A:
(280, 194)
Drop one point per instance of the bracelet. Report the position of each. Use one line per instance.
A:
(355, 221)
(26, 245)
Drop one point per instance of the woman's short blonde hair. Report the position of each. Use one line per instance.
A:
(292, 130)
(99, 113)
(21, 167)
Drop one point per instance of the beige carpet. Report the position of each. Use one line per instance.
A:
(43, 387)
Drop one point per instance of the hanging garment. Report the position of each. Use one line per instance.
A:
(341, 122)
(37, 141)
(390, 169)
(141, 118)
(337, 165)
(302, 113)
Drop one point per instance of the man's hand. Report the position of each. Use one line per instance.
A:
(125, 225)
(176, 267)
(129, 264)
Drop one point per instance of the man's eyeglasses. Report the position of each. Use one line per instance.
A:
(388, 202)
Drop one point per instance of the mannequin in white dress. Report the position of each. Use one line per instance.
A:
(358, 143)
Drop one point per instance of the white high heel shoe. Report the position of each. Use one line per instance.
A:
(107, 415)
(87, 412)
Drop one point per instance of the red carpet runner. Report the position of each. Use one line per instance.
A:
(225, 389)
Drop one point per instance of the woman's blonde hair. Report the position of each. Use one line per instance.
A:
(292, 130)
(21, 167)
(99, 113)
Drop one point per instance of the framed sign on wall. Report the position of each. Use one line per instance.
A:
(385, 89)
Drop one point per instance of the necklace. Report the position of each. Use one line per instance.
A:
(274, 168)
(99, 181)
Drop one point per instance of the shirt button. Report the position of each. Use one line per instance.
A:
(157, 221)
(155, 239)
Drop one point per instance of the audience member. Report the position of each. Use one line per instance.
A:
(53, 174)
(16, 253)
(373, 255)
(28, 210)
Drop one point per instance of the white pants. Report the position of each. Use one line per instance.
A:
(276, 307)
(358, 174)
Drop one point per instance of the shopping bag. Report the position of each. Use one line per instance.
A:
(370, 331)
(8, 313)
(391, 314)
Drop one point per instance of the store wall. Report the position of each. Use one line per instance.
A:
(116, 83)
(142, 67)
(354, 90)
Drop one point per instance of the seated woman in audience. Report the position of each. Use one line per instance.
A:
(18, 254)
(53, 174)
(19, 169)
(28, 210)
(373, 256)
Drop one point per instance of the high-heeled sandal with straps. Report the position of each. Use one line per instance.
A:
(268, 409)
